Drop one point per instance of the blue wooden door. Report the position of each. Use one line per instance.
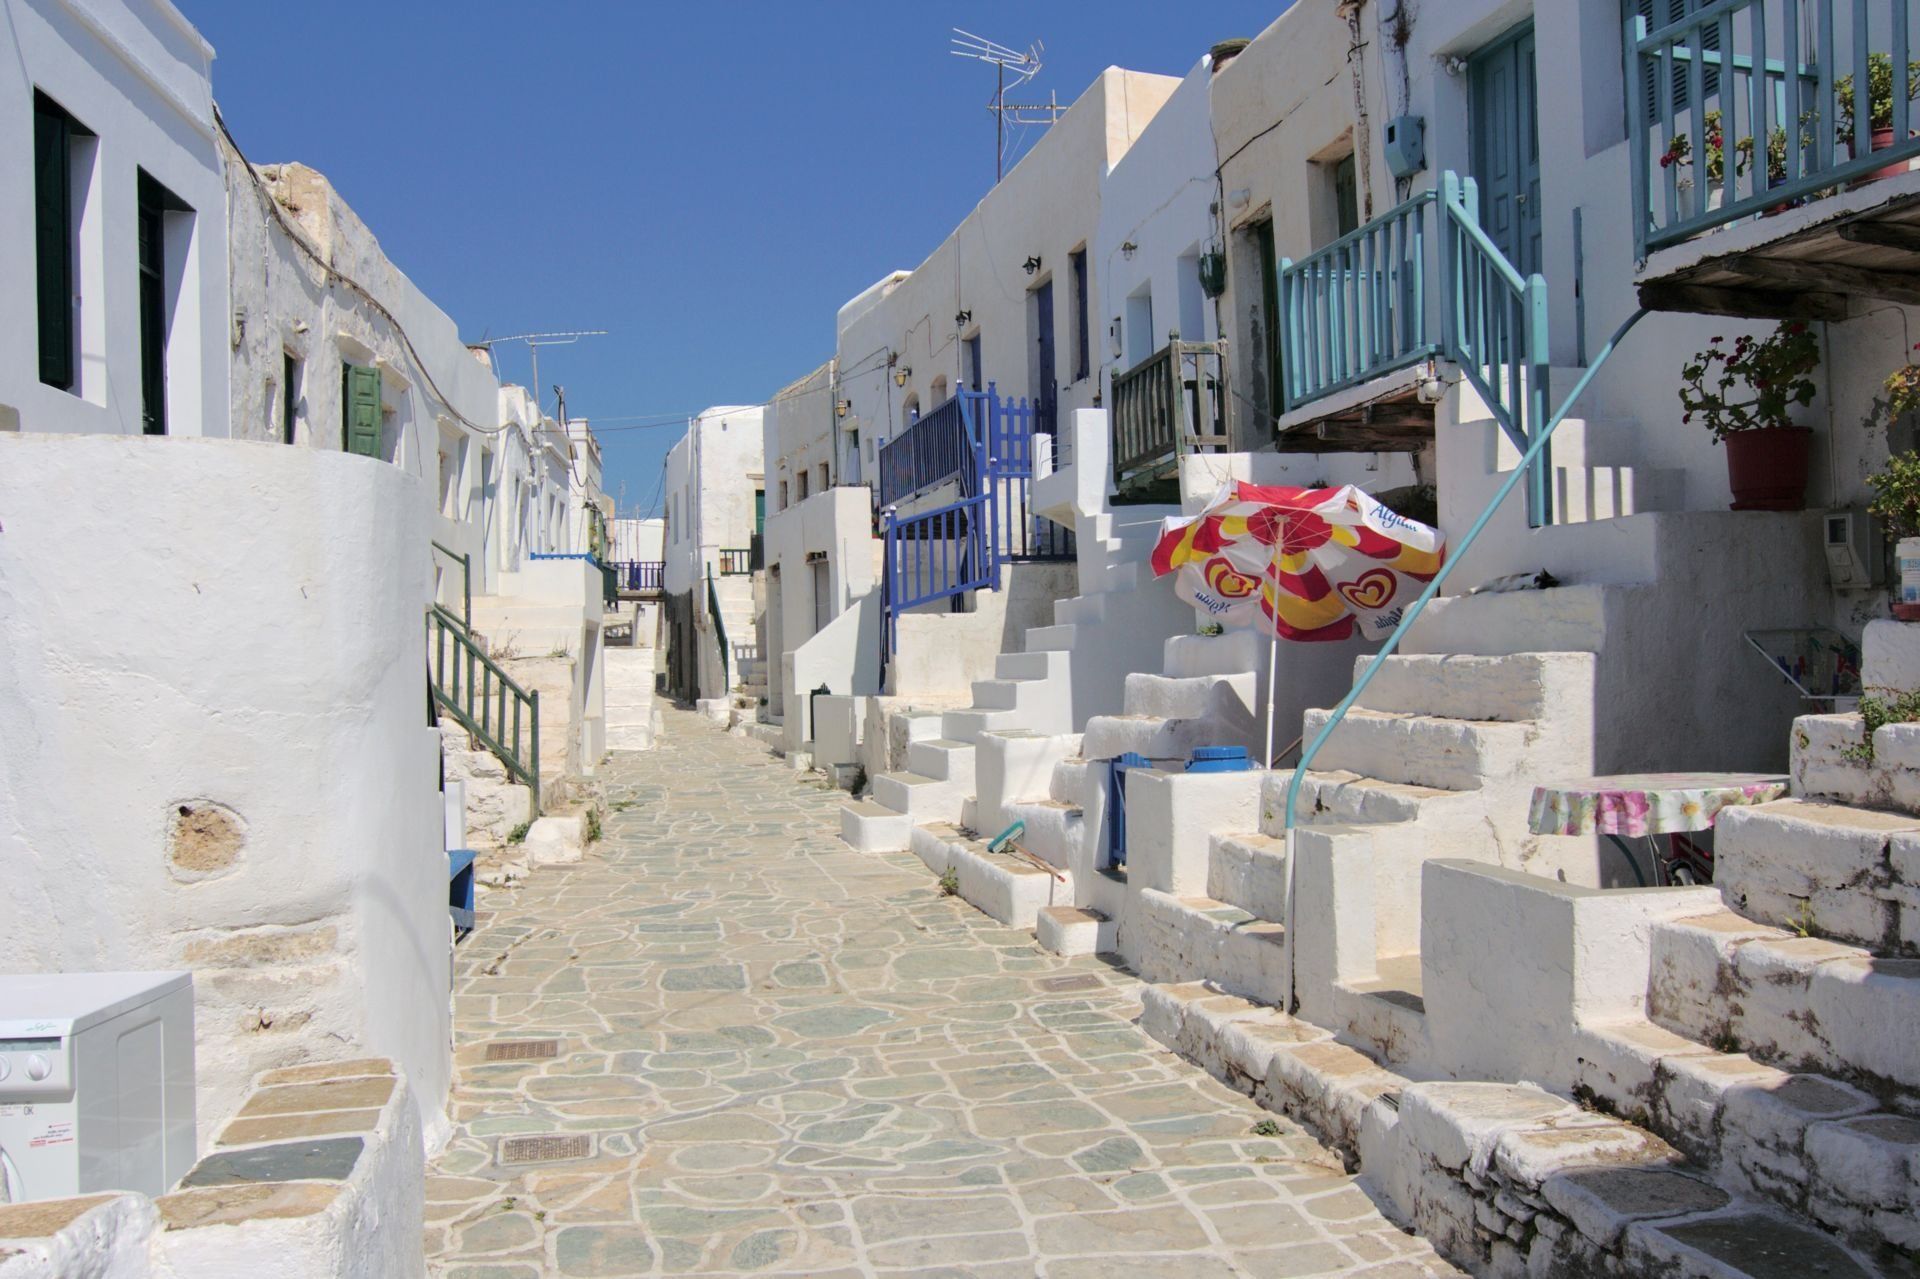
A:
(1506, 146)
(1046, 384)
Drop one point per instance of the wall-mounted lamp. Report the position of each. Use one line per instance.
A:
(1032, 263)
(1128, 248)
(901, 373)
(962, 319)
(1239, 197)
(840, 409)
(1113, 334)
(1454, 64)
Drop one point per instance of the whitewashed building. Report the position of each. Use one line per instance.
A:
(715, 506)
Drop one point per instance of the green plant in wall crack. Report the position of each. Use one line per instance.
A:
(518, 835)
(949, 882)
(593, 825)
(1877, 708)
(1896, 495)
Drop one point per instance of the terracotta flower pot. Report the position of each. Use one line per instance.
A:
(1882, 139)
(1767, 468)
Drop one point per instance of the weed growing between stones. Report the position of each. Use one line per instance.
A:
(949, 883)
(1266, 1128)
(518, 835)
(593, 825)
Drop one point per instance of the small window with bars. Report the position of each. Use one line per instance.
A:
(1653, 15)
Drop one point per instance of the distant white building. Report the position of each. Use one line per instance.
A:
(715, 506)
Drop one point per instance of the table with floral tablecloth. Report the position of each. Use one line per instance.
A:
(1646, 804)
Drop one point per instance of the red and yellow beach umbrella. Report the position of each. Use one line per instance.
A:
(1302, 564)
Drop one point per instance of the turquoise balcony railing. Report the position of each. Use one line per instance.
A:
(1362, 306)
(1422, 281)
(1742, 107)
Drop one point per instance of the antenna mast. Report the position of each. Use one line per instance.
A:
(535, 341)
(1024, 66)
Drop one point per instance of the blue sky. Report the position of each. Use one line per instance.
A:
(708, 182)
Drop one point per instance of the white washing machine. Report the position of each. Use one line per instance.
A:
(96, 1083)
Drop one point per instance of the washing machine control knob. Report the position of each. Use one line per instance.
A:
(38, 1067)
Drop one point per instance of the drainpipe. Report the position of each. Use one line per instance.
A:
(1362, 130)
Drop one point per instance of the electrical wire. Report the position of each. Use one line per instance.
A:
(333, 273)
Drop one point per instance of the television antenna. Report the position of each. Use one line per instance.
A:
(535, 341)
(1024, 67)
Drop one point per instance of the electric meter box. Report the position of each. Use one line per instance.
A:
(96, 1083)
(1405, 145)
(1856, 551)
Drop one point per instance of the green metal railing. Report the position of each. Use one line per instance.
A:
(1161, 411)
(466, 585)
(719, 631)
(484, 699)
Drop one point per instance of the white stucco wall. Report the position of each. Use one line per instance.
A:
(136, 74)
(712, 475)
(836, 526)
(262, 659)
(1047, 207)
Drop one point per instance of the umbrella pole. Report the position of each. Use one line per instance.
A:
(1273, 650)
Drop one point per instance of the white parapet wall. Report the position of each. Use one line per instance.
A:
(218, 756)
(942, 654)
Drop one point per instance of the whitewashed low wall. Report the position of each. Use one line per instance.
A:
(217, 754)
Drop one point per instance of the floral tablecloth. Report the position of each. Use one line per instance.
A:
(1646, 803)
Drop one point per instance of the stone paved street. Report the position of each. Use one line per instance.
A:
(796, 1059)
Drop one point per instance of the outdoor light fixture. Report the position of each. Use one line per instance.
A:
(901, 374)
(962, 319)
(1128, 248)
(1032, 263)
(840, 409)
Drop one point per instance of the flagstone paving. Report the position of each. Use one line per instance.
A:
(791, 1058)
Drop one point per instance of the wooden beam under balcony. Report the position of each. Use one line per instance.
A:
(1799, 265)
(1398, 425)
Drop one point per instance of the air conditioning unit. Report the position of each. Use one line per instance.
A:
(96, 1083)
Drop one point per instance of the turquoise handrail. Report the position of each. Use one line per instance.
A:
(1454, 556)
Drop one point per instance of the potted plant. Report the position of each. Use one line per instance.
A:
(1747, 391)
(1679, 153)
(1879, 106)
(1897, 507)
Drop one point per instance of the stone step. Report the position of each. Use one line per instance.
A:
(872, 828)
(1080, 610)
(1233, 653)
(1346, 798)
(1516, 688)
(1827, 762)
(1577, 442)
(1852, 874)
(1054, 829)
(1792, 1000)
(1583, 494)
(1043, 664)
(1806, 1142)
(943, 760)
(1157, 738)
(1003, 886)
(1073, 930)
(1050, 639)
(1509, 1179)
(1226, 699)
(1001, 694)
(1250, 872)
(1199, 938)
(921, 798)
(967, 725)
(1424, 750)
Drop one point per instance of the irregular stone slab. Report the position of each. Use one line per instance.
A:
(330, 1160)
(1751, 1244)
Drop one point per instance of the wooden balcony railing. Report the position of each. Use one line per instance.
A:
(1172, 402)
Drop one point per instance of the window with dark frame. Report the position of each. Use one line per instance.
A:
(1269, 340)
(1082, 351)
(154, 203)
(289, 395)
(55, 237)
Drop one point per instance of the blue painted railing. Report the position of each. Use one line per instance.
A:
(1496, 331)
(1360, 307)
(937, 555)
(943, 445)
(1782, 71)
(1011, 426)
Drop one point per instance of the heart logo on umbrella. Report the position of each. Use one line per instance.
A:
(1370, 591)
(1229, 582)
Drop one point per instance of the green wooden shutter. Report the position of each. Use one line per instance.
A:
(53, 239)
(360, 411)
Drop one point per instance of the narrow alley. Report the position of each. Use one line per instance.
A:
(788, 1057)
